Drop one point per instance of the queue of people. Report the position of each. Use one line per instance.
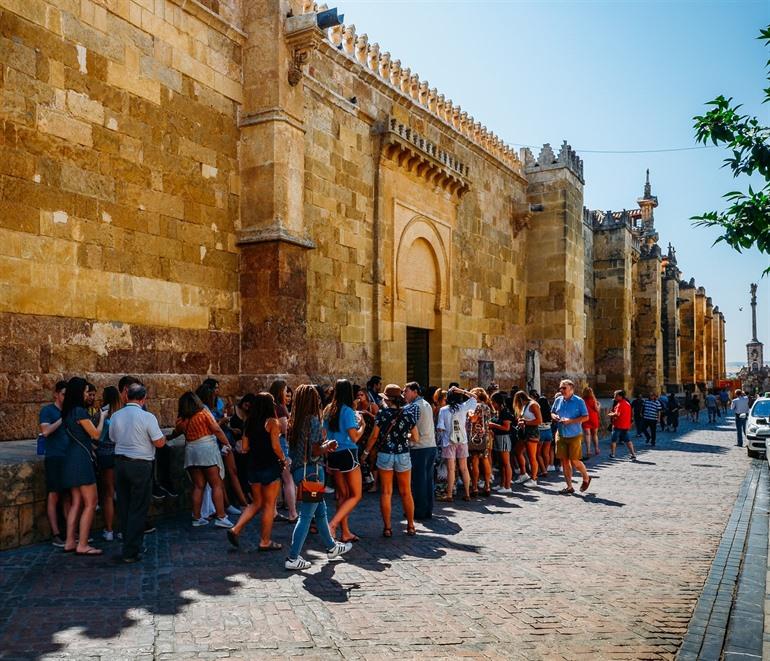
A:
(297, 445)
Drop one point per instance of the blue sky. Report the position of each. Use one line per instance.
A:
(618, 76)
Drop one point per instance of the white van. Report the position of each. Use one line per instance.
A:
(758, 427)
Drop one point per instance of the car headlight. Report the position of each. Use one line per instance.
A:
(753, 429)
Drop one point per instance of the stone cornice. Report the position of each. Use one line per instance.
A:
(212, 19)
(271, 115)
(275, 233)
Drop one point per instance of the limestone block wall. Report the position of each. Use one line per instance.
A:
(556, 274)
(613, 290)
(119, 195)
(699, 336)
(648, 349)
(687, 333)
(589, 301)
(671, 333)
(708, 342)
(395, 246)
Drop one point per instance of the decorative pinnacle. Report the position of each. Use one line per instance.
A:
(647, 186)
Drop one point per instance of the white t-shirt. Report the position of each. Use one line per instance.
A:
(740, 405)
(451, 424)
(133, 430)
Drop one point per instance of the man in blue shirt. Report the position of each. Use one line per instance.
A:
(56, 442)
(570, 412)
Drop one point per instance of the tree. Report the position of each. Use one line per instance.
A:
(746, 221)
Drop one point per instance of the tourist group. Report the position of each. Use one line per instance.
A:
(299, 444)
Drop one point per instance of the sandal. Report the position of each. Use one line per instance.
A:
(475, 493)
(445, 499)
(234, 539)
(387, 532)
(352, 539)
(585, 485)
(487, 493)
(411, 531)
(90, 551)
(280, 517)
(567, 490)
(466, 498)
(272, 546)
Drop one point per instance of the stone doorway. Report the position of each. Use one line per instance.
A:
(418, 355)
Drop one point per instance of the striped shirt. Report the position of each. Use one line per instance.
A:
(200, 425)
(652, 409)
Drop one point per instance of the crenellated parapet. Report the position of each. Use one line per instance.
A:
(371, 58)
(548, 160)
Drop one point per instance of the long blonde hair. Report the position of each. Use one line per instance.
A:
(520, 401)
(588, 393)
(306, 405)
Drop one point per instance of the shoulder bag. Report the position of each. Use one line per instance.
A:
(309, 491)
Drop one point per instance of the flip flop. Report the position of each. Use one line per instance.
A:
(585, 485)
(387, 532)
(567, 490)
(352, 538)
(280, 517)
(272, 546)
(233, 539)
(91, 551)
(411, 531)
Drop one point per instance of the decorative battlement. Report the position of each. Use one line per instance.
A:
(423, 157)
(403, 80)
(547, 160)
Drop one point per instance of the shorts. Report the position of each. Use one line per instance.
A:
(570, 447)
(343, 461)
(620, 436)
(54, 467)
(502, 443)
(105, 461)
(264, 476)
(546, 436)
(455, 451)
(398, 462)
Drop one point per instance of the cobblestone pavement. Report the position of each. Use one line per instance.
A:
(615, 574)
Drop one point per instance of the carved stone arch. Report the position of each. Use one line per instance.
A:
(422, 229)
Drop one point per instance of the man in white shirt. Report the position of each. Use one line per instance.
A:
(423, 453)
(454, 439)
(136, 434)
(740, 405)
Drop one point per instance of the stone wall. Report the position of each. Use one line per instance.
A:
(687, 333)
(671, 331)
(119, 179)
(648, 346)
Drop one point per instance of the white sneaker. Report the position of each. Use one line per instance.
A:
(329, 490)
(340, 548)
(108, 536)
(551, 468)
(233, 510)
(224, 522)
(522, 478)
(298, 563)
(505, 490)
(480, 484)
(529, 483)
(197, 523)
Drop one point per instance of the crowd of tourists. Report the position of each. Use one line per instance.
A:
(242, 457)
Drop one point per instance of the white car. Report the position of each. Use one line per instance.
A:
(758, 427)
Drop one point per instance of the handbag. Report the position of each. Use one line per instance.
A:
(310, 491)
(91, 452)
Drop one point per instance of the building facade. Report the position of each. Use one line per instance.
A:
(220, 187)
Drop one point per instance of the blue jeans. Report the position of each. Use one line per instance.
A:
(423, 460)
(740, 427)
(307, 512)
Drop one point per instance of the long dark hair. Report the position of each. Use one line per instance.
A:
(74, 395)
(189, 405)
(454, 399)
(278, 390)
(111, 398)
(343, 396)
(260, 412)
(307, 405)
(206, 394)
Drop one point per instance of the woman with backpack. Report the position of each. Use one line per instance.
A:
(397, 423)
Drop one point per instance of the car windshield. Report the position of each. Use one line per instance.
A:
(761, 409)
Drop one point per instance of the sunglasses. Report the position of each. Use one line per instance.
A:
(563, 387)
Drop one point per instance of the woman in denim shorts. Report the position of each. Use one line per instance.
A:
(396, 422)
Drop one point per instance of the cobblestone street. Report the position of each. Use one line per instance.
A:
(615, 574)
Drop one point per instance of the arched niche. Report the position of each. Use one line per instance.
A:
(422, 264)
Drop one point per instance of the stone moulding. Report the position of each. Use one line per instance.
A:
(266, 234)
(212, 19)
(271, 115)
(423, 158)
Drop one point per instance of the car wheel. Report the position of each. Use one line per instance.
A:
(753, 454)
